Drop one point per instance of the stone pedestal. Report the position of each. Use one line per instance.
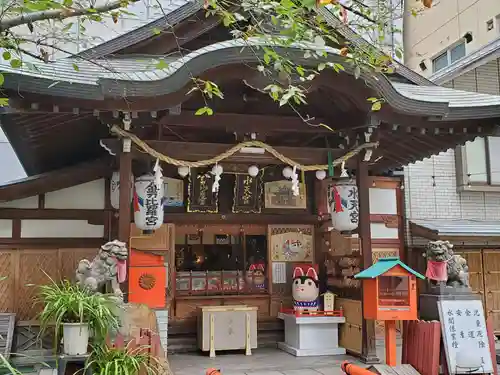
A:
(311, 335)
(428, 307)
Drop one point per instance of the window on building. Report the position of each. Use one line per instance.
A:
(497, 23)
(449, 57)
(478, 165)
(214, 264)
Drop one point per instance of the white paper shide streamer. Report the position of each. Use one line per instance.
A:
(295, 182)
(217, 172)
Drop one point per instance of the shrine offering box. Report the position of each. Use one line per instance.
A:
(227, 328)
(389, 290)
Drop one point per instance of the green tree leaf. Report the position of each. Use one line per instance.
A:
(376, 106)
(16, 63)
(6, 55)
(204, 111)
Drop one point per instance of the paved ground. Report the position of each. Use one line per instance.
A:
(261, 362)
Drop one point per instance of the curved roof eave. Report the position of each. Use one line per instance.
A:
(175, 13)
(90, 83)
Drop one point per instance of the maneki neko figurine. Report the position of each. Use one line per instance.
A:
(256, 277)
(305, 290)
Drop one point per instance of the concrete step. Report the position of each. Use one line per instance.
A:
(188, 343)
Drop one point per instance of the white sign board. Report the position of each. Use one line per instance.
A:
(279, 273)
(465, 336)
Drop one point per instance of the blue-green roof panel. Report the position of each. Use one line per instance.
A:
(382, 266)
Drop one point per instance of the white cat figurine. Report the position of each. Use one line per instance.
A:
(305, 290)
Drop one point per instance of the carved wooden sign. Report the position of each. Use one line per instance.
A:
(247, 194)
(200, 195)
(279, 194)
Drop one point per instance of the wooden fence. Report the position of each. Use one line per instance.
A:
(421, 346)
(22, 270)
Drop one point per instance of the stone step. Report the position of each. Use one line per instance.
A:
(188, 343)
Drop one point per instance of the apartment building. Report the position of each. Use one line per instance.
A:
(456, 195)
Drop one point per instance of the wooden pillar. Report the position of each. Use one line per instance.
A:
(368, 349)
(124, 213)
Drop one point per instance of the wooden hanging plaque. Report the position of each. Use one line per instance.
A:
(200, 195)
(247, 194)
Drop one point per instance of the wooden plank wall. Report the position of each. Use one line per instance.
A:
(23, 270)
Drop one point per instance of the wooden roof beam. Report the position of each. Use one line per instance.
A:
(55, 180)
(195, 151)
(245, 123)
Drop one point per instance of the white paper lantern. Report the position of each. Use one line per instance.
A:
(148, 205)
(183, 171)
(253, 170)
(344, 205)
(115, 190)
(321, 175)
(287, 172)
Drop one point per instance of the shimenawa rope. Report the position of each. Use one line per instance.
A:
(233, 150)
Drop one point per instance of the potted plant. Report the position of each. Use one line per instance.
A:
(105, 360)
(77, 312)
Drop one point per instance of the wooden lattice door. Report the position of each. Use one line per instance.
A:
(476, 272)
(491, 266)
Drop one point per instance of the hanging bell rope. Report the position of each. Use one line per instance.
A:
(233, 150)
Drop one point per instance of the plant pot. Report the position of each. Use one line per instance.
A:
(75, 338)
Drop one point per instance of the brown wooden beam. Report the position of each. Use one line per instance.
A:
(368, 347)
(262, 218)
(55, 180)
(125, 212)
(50, 243)
(94, 216)
(194, 151)
(248, 123)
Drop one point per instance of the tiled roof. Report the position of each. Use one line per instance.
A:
(138, 77)
(174, 11)
(382, 266)
(461, 227)
(451, 97)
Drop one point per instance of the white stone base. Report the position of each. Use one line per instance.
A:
(162, 321)
(310, 352)
(311, 335)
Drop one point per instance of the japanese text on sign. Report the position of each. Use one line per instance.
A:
(152, 203)
(353, 204)
(465, 336)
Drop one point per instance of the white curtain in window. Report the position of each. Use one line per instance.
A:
(494, 156)
(476, 161)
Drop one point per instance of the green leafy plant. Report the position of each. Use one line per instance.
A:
(69, 303)
(6, 367)
(106, 360)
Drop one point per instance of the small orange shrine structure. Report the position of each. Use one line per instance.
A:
(390, 294)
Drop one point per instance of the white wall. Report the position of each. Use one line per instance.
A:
(10, 167)
(442, 202)
(85, 196)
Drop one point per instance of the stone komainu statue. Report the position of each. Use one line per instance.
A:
(109, 265)
(444, 267)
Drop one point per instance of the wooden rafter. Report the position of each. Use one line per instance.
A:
(56, 180)
(195, 151)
